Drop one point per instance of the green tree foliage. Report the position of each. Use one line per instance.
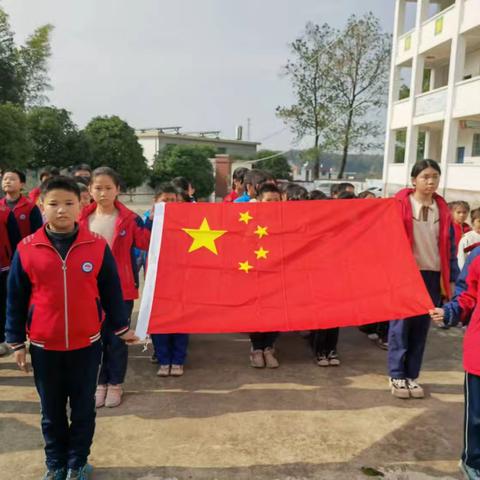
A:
(113, 143)
(278, 166)
(55, 139)
(24, 69)
(15, 147)
(340, 82)
(189, 161)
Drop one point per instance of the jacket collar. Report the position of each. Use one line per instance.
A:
(84, 236)
(123, 211)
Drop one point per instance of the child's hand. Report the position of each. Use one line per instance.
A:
(130, 337)
(437, 315)
(21, 360)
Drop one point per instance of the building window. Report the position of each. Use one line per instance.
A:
(476, 145)
(400, 142)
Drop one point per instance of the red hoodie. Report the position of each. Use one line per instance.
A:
(130, 232)
(27, 214)
(446, 242)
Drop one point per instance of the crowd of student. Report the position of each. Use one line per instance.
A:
(69, 266)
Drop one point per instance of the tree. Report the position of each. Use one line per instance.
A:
(24, 69)
(359, 73)
(340, 81)
(277, 166)
(189, 161)
(113, 143)
(311, 114)
(15, 147)
(55, 139)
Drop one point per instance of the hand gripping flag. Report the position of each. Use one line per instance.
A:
(278, 266)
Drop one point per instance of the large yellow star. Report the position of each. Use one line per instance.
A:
(204, 237)
(261, 231)
(261, 253)
(244, 266)
(245, 217)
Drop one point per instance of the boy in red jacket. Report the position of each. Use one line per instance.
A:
(62, 279)
(460, 309)
(27, 214)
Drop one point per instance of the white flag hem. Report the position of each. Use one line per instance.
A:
(150, 280)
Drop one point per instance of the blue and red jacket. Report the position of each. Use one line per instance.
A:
(9, 237)
(130, 233)
(59, 302)
(465, 307)
(27, 214)
(446, 241)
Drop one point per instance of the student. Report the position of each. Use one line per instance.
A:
(82, 172)
(459, 211)
(9, 238)
(427, 222)
(317, 195)
(48, 271)
(45, 174)
(262, 352)
(469, 239)
(338, 188)
(238, 178)
(253, 180)
(294, 192)
(181, 183)
(27, 214)
(366, 194)
(463, 306)
(123, 230)
(85, 197)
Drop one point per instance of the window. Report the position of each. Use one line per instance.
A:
(476, 145)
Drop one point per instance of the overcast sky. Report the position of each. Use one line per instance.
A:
(199, 64)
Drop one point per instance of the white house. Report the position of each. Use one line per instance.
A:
(434, 98)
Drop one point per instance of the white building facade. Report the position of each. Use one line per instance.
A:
(434, 97)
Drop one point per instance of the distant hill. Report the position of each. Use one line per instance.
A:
(368, 165)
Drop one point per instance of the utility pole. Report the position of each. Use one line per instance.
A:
(249, 122)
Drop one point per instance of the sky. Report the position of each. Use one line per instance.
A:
(198, 64)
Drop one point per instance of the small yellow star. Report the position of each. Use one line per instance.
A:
(204, 237)
(245, 266)
(245, 217)
(261, 253)
(261, 231)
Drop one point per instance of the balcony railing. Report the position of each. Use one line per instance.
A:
(431, 102)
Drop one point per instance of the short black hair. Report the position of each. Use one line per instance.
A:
(239, 174)
(294, 191)
(365, 194)
(422, 165)
(49, 171)
(181, 182)
(165, 187)
(256, 178)
(83, 188)
(459, 204)
(317, 195)
(109, 172)
(346, 195)
(268, 188)
(81, 166)
(21, 175)
(60, 182)
(475, 214)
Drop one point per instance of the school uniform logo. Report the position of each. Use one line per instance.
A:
(22, 216)
(87, 267)
(123, 233)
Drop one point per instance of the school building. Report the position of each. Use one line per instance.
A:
(434, 96)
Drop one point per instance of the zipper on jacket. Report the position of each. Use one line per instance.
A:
(65, 290)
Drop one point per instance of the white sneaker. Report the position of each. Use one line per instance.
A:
(372, 336)
(416, 391)
(399, 388)
(4, 349)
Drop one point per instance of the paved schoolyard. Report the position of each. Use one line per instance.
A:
(224, 420)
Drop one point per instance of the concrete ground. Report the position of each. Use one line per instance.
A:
(224, 420)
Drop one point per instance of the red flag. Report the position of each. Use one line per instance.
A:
(278, 266)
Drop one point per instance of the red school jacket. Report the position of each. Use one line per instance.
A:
(9, 237)
(130, 232)
(59, 302)
(446, 241)
(27, 214)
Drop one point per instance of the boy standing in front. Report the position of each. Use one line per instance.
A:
(61, 279)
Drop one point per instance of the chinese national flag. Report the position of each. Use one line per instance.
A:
(278, 266)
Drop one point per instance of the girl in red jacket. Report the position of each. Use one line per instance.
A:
(124, 230)
(428, 225)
